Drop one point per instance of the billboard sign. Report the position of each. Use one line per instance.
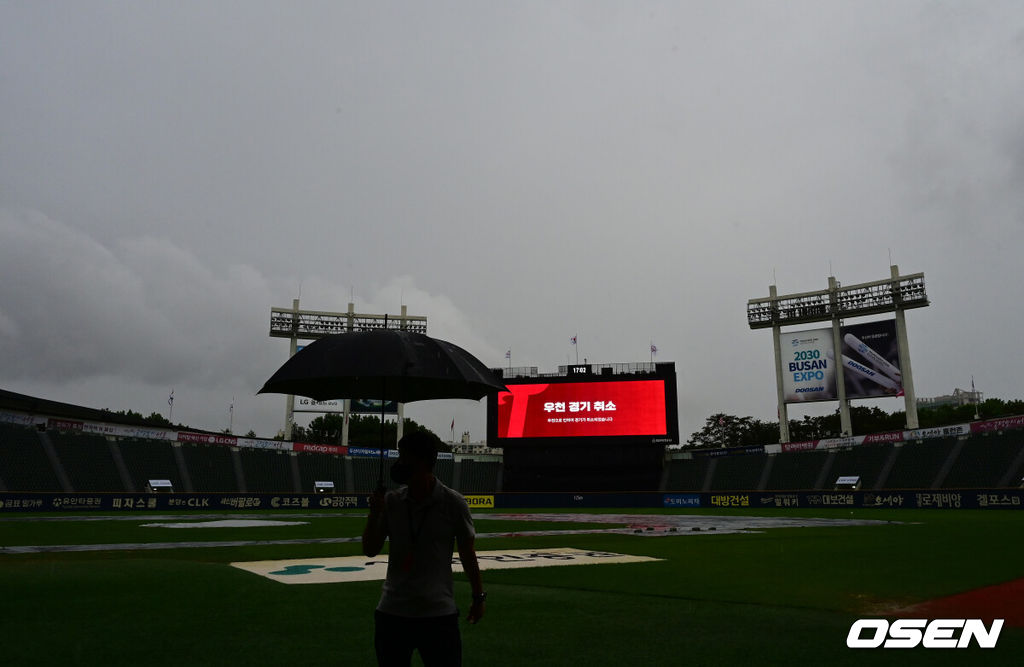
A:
(808, 366)
(358, 406)
(871, 360)
(869, 355)
(604, 409)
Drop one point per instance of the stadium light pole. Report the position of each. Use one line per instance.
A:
(296, 324)
(895, 294)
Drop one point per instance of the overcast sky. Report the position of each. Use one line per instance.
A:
(518, 172)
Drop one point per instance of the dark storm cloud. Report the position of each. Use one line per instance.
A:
(519, 172)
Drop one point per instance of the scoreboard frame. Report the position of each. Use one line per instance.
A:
(584, 374)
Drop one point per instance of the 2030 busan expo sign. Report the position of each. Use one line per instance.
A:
(868, 353)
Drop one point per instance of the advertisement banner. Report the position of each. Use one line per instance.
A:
(875, 438)
(256, 443)
(583, 409)
(871, 360)
(805, 446)
(682, 500)
(808, 366)
(337, 450)
(357, 406)
(990, 425)
(207, 438)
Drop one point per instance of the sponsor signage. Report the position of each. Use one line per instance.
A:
(337, 450)
(208, 439)
(356, 406)
(990, 425)
(480, 502)
(871, 360)
(368, 451)
(359, 568)
(682, 500)
(868, 352)
(137, 502)
(808, 366)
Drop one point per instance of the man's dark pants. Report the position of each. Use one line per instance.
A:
(437, 638)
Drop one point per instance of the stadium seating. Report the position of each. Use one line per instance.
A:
(92, 463)
(210, 467)
(984, 461)
(865, 462)
(150, 459)
(687, 475)
(24, 465)
(797, 471)
(738, 473)
(918, 464)
(478, 476)
(87, 461)
(321, 468)
(267, 471)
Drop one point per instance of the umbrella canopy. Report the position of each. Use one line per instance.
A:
(385, 364)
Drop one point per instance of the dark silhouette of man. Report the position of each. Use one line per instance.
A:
(423, 520)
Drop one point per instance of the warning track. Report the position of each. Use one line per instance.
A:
(1000, 601)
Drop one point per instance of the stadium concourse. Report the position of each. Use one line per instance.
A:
(59, 449)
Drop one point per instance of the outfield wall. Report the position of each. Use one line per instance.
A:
(128, 503)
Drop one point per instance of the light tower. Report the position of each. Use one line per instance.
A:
(896, 294)
(296, 324)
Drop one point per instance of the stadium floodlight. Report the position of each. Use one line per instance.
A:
(296, 324)
(825, 378)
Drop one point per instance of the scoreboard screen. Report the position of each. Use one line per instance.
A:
(602, 408)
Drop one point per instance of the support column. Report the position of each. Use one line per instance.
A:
(909, 396)
(780, 392)
(845, 427)
(289, 415)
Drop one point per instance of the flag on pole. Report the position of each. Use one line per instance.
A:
(654, 348)
(170, 399)
(573, 340)
(508, 353)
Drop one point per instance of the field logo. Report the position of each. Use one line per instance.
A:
(480, 502)
(907, 633)
(343, 569)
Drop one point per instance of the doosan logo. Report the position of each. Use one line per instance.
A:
(911, 632)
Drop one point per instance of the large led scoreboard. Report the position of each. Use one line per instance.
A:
(593, 428)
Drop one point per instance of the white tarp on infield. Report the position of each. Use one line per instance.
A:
(360, 568)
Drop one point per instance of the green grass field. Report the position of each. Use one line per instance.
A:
(785, 596)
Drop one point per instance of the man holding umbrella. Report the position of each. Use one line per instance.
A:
(424, 519)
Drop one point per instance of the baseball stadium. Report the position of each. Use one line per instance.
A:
(600, 541)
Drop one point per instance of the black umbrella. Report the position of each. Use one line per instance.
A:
(388, 364)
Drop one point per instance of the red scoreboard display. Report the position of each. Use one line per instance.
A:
(599, 408)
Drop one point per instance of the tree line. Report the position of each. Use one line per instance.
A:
(363, 431)
(724, 430)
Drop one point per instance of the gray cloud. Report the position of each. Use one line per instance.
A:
(519, 173)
